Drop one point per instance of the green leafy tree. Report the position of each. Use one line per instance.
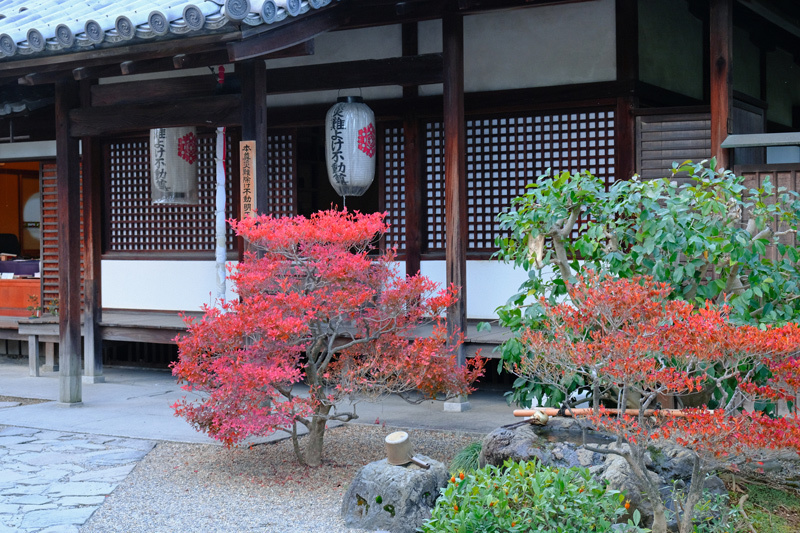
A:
(712, 239)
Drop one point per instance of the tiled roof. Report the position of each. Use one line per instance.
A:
(38, 27)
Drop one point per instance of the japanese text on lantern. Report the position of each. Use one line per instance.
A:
(338, 167)
(159, 142)
(247, 159)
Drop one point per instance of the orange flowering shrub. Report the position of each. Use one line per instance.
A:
(316, 307)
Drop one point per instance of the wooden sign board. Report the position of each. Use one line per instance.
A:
(247, 184)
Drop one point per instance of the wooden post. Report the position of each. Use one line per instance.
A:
(627, 71)
(414, 181)
(253, 74)
(33, 355)
(92, 204)
(721, 76)
(69, 245)
(455, 177)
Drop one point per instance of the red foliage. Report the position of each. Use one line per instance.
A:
(623, 335)
(316, 307)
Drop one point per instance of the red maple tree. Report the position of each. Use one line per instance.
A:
(628, 342)
(316, 308)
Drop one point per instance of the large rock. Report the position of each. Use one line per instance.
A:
(559, 444)
(393, 498)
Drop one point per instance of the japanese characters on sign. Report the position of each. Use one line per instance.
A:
(173, 165)
(247, 160)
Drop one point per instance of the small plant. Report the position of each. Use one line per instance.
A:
(52, 307)
(525, 496)
(34, 308)
(467, 459)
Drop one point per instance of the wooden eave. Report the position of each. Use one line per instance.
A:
(256, 42)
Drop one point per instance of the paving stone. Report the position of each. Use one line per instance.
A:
(115, 457)
(81, 501)
(113, 474)
(8, 508)
(29, 499)
(58, 517)
(81, 488)
(60, 529)
(22, 490)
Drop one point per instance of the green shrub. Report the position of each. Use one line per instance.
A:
(525, 496)
(467, 459)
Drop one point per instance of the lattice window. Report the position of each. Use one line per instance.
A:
(137, 225)
(394, 189)
(434, 186)
(504, 153)
(281, 150)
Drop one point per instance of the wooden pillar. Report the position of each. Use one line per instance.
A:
(721, 76)
(253, 74)
(69, 245)
(92, 204)
(627, 17)
(412, 159)
(455, 174)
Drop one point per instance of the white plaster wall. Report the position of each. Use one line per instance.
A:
(535, 47)
(27, 150)
(333, 47)
(489, 284)
(159, 285)
(670, 47)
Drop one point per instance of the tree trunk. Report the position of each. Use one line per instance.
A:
(316, 433)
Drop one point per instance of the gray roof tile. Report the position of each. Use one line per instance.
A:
(30, 27)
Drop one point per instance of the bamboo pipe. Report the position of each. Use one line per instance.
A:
(582, 411)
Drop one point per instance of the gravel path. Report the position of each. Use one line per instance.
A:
(183, 488)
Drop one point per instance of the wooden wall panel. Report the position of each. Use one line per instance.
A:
(666, 138)
(50, 238)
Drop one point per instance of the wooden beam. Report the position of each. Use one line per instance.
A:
(205, 59)
(405, 71)
(42, 78)
(254, 124)
(721, 80)
(625, 137)
(223, 110)
(102, 71)
(92, 192)
(150, 92)
(455, 173)
(267, 40)
(146, 66)
(69, 246)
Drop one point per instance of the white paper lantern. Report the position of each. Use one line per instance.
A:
(350, 146)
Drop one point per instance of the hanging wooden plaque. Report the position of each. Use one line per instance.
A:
(247, 185)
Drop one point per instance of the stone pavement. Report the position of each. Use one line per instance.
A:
(58, 462)
(52, 481)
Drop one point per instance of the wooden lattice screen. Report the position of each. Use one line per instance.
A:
(282, 150)
(137, 225)
(50, 238)
(394, 187)
(504, 153)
